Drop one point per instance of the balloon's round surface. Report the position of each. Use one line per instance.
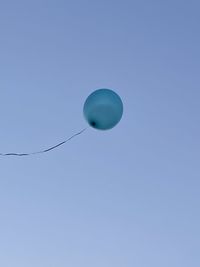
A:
(103, 109)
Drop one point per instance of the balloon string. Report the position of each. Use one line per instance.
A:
(45, 150)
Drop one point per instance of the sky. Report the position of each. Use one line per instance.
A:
(127, 197)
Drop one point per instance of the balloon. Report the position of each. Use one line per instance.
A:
(103, 109)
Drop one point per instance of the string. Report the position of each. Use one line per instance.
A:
(44, 150)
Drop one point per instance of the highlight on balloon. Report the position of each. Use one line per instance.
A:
(103, 109)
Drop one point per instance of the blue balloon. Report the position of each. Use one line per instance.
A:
(103, 109)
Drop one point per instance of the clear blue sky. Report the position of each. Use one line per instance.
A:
(128, 197)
